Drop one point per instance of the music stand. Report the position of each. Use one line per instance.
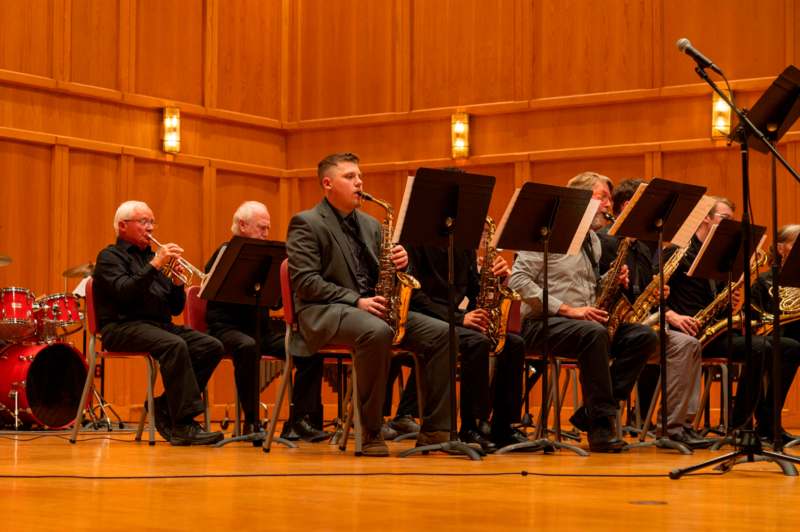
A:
(442, 208)
(776, 111)
(546, 219)
(789, 276)
(656, 216)
(247, 272)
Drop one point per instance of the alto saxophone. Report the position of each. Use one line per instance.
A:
(610, 299)
(640, 310)
(394, 286)
(709, 329)
(493, 296)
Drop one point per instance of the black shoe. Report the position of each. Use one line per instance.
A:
(193, 434)
(689, 441)
(580, 419)
(509, 437)
(404, 425)
(161, 417)
(388, 433)
(473, 436)
(373, 445)
(307, 432)
(693, 433)
(603, 438)
(767, 436)
(432, 437)
(288, 432)
(253, 428)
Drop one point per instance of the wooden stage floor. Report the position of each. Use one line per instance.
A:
(118, 484)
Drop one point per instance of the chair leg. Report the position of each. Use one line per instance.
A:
(650, 410)
(359, 429)
(237, 424)
(153, 370)
(87, 386)
(704, 397)
(347, 423)
(206, 411)
(273, 422)
(726, 393)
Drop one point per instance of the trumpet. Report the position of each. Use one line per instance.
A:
(179, 269)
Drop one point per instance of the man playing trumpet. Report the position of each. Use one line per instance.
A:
(135, 302)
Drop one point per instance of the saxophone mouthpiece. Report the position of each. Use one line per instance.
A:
(610, 217)
(365, 195)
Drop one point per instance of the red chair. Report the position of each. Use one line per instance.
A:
(335, 351)
(152, 372)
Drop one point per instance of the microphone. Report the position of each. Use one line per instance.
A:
(685, 46)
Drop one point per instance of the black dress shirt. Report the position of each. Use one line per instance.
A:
(366, 268)
(429, 266)
(128, 288)
(688, 295)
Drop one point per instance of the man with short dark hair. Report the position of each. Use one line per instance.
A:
(334, 253)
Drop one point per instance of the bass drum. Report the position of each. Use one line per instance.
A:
(42, 383)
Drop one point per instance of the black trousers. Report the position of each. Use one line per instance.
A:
(603, 386)
(307, 386)
(750, 393)
(478, 396)
(187, 359)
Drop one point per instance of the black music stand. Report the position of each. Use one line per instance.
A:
(442, 208)
(776, 111)
(789, 276)
(546, 219)
(247, 272)
(722, 260)
(657, 216)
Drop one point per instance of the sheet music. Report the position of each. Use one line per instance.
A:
(401, 214)
(211, 271)
(80, 289)
(702, 250)
(583, 227)
(501, 225)
(628, 208)
(684, 234)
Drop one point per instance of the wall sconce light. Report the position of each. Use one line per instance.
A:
(459, 135)
(720, 117)
(172, 130)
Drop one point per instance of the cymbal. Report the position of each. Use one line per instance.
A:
(81, 270)
(5, 260)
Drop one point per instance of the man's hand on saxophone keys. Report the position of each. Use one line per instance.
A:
(583, 313)
(375, 305)
(477, 319)
(399, 257)
(624, 276)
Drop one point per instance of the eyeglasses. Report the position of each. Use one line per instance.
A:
(722, 215)
(143, 221)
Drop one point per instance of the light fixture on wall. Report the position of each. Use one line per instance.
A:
(459, 135)
(172, 130)
(720, 116)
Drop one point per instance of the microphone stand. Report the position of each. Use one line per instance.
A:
(747, 444)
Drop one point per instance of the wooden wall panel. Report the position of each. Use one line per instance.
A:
(26, 41)
(560, 171)
(169, 49)
(174, 193)
(232, 142)
(586, 46)
(309, 194)
(745, 38)
(94, 193)
(345, 58)
(26, 215)
(233, 189)
(94, 42)
(463, 52)
(249, 62)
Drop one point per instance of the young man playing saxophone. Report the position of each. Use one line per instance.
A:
(334, 252)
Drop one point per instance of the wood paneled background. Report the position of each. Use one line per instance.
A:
(268, 87)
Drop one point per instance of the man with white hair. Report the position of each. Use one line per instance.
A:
(234, 326)
(135, 302)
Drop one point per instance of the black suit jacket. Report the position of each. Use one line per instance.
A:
(323, 272)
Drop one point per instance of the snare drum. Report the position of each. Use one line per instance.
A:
(17, 319)
(57, 315)
(41, 384)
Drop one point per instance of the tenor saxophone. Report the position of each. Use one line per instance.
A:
(610, 299)
(640, 310)
(394, 286)
(493, 296)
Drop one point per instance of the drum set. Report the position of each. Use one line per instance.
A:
(41, 374)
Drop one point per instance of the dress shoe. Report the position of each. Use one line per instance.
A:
(474, 436)
(404, 425)
(432, 437)
(767, 436)
(373, 445)
(580, 419)
(603, 437)
(193, 434)
(161, 417)
(511, 436)
(302, 429)
(689, 441)
(388, 433)
(253, 428)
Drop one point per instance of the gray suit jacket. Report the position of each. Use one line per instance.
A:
(323, 272)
